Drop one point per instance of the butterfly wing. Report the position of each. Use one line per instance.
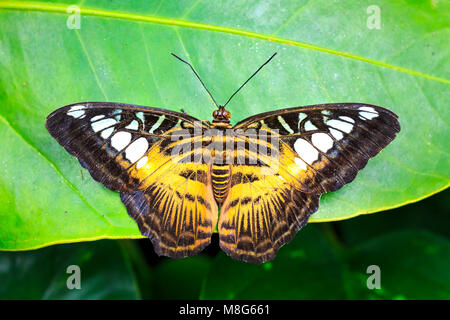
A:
(174, 205)
(261, 213)
(108, 137)
(328, 144)
(129, 149)
(321, 148)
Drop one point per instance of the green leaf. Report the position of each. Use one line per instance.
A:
(121, 54)
(430, 215)
(43, 274)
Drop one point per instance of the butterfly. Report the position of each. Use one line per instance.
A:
(266, 173)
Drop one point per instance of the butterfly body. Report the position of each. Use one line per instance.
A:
(266, 173)
(220, 175)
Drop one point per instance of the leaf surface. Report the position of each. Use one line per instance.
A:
(121, 54)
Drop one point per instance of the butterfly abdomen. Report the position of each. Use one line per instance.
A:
(220, 176)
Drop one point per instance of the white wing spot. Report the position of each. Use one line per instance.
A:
(134, 125)
(100, 116)
(348, 119)
(106, 133)
(157, 124)
(301, 163)
(309, 126)
(118, 113)
(120, 140)
(76, 114)
(326, 112)
(102, 124)
(140, 115)
(302, 116)
(306, 151)
(285, 125)
(367, 115)
(137, 149)
(336, 134)
(77, 107)
(340, 125)
(76, 111)
(322, 141)
(141, 162)
(369, 109)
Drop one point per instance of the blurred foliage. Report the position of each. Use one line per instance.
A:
(411, 245)
(42, 274)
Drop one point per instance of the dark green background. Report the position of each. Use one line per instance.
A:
(325, 261)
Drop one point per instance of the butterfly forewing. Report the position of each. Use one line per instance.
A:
(329, 143)
(109, 138)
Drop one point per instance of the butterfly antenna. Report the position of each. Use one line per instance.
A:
(250, 78)
(198, 77)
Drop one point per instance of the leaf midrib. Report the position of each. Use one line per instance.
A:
(62, 9)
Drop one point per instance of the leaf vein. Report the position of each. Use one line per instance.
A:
(61, 9)
(52, 165)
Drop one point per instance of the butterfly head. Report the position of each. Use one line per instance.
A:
(221, 115)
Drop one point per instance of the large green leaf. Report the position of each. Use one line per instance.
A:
(105, 273)
(430, 214)
(121, 54)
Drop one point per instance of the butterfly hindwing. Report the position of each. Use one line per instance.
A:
(174, 207)
(329, 143)
(173, 204)
(264, 207)
(261, 213)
